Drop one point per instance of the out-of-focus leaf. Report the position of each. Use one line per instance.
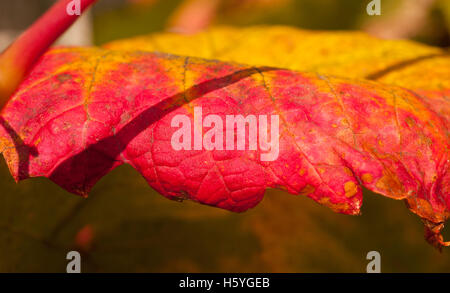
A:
(415, 66)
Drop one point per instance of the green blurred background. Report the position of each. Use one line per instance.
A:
(125, 226)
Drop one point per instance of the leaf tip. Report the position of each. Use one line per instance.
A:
(433, 234)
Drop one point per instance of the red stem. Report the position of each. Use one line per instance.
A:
(18, 58)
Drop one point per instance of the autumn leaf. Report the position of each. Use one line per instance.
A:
(82, 112)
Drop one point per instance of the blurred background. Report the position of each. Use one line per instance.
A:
(124, 226)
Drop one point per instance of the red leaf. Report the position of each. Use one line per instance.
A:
(83, 112)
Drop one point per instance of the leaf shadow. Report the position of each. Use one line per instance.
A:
(403, 64)
(98, 159)
(23, 150)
